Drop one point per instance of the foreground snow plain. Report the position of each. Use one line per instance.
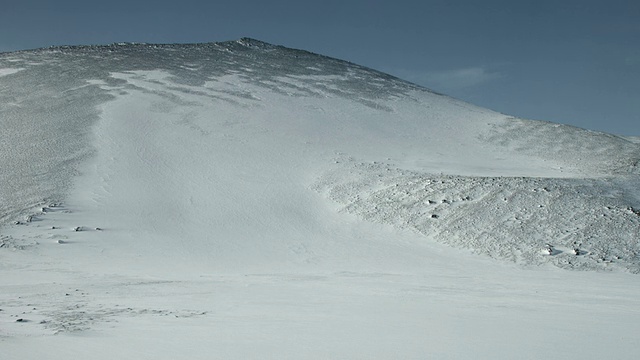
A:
(240, 200)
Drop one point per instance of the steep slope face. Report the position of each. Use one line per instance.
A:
(213, 151)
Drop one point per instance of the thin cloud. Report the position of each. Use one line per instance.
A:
(632, 60)
(451, 80)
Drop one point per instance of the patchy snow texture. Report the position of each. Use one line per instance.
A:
(571, 223)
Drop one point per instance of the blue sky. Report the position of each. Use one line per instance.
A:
(573, 62)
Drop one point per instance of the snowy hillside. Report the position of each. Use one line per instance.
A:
(245, 193)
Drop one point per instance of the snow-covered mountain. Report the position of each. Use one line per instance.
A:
(310, 207)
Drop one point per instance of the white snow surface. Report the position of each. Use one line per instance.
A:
(241, 200)
(9, 71)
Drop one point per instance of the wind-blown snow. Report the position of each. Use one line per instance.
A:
(244, 200)
(9, 71)
(581, 223)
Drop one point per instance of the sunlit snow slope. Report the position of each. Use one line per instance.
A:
(172, 162)
(195, 139)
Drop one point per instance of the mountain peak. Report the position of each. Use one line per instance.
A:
(253, 43)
